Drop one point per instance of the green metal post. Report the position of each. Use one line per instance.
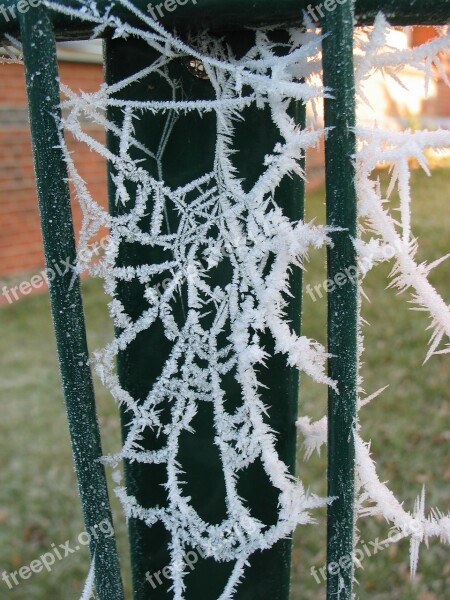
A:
(41, 72)
(342, 300)
(188, 154)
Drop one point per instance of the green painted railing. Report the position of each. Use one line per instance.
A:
(41, 74)
(236, 14)
(342, 302)
(268, 576)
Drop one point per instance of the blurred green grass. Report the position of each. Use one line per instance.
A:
(39, 502)
(409, 426)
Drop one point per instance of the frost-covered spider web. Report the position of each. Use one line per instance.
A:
(388, 238)
(221, 220)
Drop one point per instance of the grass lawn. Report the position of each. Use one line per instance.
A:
(409, 426)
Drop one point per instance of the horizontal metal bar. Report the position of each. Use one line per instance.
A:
(234, 14)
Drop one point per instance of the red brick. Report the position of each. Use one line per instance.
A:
(20, 237)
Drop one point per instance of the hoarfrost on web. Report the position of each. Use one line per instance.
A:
(388, 238)
(221, 220)
(218, 220)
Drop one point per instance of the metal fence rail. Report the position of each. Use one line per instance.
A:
(38, 29)
(340, 146)
(236, 14)
(41, 73)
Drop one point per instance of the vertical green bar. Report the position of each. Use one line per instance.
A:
(41, 72)
(342, 301)
(189, 153)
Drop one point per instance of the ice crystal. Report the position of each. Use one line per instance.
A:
(220, 220)
(392, 239)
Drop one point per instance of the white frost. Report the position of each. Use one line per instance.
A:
(220, 221)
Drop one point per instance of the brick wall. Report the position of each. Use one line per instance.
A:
(439, 105)
(20, 238)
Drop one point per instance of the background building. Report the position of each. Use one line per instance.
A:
(81, 68)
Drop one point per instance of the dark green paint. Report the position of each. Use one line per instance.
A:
(42, 82)
(235, 14)
(189, 154)
(342, 301)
